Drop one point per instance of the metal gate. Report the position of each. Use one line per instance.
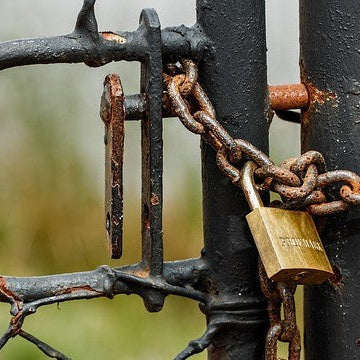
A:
(229, 47)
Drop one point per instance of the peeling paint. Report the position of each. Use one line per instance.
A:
(142, 273)
(317, 96)
(110, 36)
(77, 289)
(154, 199)
(8, 293)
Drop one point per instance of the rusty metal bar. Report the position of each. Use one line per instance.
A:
(285, 97)
(329, 39)
(113, 115)
(281, 97)
(240, 100)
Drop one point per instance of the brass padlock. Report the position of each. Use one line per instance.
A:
(288, 242)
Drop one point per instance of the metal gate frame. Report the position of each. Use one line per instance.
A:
(232, 61)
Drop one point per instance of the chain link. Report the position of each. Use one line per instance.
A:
(285, 330)
(299, 181)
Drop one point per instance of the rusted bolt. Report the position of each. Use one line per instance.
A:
(291, 96)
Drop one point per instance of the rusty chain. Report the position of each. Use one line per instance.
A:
(299, 181)
(285, 330)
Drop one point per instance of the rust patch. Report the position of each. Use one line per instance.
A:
(217, 352)
(336, 279)
(320, 96)
(154, 199)
(110, 36)
(358, 342)
(146, 217)
(211, 287)
(15, 322)
(142, 273)
(8, 293)
(77, 289)
(316, 97)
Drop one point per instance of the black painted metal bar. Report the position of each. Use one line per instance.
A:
(86, 44)
(233, 73)
(104, 48)
(135, 106)
(152, 156)
(330, 64)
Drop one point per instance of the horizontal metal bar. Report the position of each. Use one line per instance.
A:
(282, 98)
(87, 45)
(135, 106)
(106, 282)
(27, 294)
(72, 48)
(291, 96)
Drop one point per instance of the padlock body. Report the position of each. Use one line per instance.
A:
(289, 246)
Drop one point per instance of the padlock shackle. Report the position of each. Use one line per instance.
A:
(248, 186)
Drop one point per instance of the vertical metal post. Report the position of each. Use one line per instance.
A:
(330, 62)
(152, 157)
(233, 73)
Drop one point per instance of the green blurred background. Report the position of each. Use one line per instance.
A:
(51, 156)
